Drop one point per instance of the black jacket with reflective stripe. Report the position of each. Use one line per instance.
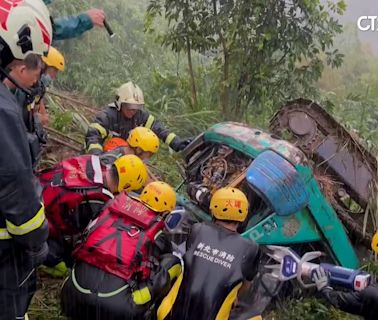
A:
(19, 196)
(217, 260)
(363, 303)
(112, 120)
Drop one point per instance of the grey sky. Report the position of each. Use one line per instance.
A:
(357, 8)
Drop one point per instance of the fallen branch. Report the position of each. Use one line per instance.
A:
(62, 134)
(84, 105)
(73, 147)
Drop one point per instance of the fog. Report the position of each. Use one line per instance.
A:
(357, 8)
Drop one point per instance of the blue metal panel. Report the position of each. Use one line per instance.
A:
(276, 180)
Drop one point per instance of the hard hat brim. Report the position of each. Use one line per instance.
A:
(131, 106)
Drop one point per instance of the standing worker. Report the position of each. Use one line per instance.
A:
(123, 115)
(25, 28)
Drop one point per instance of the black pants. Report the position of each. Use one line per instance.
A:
(18, 283)
(92, 304)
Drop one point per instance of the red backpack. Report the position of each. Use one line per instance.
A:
(67, 185)
(121, 241)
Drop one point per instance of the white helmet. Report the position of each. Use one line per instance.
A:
(131, 94)
(25, 27)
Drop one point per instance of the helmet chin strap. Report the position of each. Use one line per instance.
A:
(6, 74)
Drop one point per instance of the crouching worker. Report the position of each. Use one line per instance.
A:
(121, 268)
(141, 142)
(217, 264)
(75, 191)
(363, 303)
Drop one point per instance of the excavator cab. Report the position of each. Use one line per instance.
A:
(287, 206)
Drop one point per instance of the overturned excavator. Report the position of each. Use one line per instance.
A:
(338, 155)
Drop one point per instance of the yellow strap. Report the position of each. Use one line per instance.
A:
(100, 129)
(94, 146)
(167, 303)
(141, 296)
(170, 138)
(4, 234)
(150, 121)
(175, 271)
(256, 318)
(28, 226)
(224, 311)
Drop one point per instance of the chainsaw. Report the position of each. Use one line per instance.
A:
(291, 265)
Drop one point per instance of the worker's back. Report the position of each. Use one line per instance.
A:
(215, 265)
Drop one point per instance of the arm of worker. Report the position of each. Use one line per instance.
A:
(243, 308)
(160, 281)
(97, 132)
(170, 138)
(351, 302)
(75, 26)
(19, 199)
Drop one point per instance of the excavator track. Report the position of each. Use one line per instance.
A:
(335, 152)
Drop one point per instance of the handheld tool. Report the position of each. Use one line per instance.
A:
(109, 29)
(291, 265)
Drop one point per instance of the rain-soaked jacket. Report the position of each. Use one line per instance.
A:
(110, 122)
(363, 303)
(70, 26)
(22, 217)
(216, 264)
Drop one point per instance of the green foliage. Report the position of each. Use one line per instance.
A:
(351, 92)
(264, 51)
(308, 309)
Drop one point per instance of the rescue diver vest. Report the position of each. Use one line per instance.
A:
(68, 185)
(122, 239)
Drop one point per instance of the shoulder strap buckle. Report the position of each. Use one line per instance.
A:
(133, 231)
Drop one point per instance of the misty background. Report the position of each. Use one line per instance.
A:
(357, 8)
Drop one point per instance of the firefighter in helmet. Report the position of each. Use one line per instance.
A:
(124, 114)
(125, 263)
(217, 264)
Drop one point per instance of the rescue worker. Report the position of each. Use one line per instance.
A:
(25, 29)
(32, 104)
(217, 264)
(54, 63)
(74, 26)
(124, 114)
(363, 303)
(74, 192)
(141, 141)
(124, 265)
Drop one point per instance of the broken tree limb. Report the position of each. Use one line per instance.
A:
(67, 144)
(61, 134)
(84, 105)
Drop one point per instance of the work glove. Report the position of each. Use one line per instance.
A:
(179, 144)
(320, 278)
(38, 256)
(185, 143)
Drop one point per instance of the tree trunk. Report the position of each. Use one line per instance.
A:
(191, 73)
(225, 100)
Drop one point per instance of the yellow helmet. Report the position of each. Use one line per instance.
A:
(132, 173)
(54, 59)
(131, 94)
(144, 138)
(374, 242)
(229, 204)
(159, 196)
